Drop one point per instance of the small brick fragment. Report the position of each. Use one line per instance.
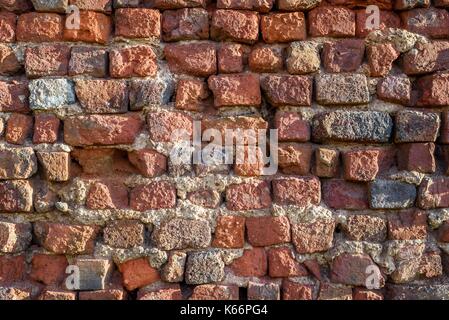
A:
(341, 89)
(47, 60)
(136, 61)
(107, 195)
(8, 21)
(124, 234)
(204, 267)
(14, 237)
(263, 291)
(303, 57)
(365, 228)
(395, 89)
(55, 165)
(295, 158)
(19, 128)
(14, 96)
(232, 57)
(215, 292)
(138, 273)
(264, 59)
(235, 25)
(326, 162)
(407, 225)
(341, 194)
(46, 128)
(149, 162)
(361, 165)
(191, 95)
(381, 58)
(16, 196)
(343, 55)
(167, 126)
(229, 232)
(430, 22)
(282, 263)
(49, 269)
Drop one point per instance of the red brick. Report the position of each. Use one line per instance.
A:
(66, 238)
(417, 157)
(94, 27)
(241, 26)
(248, 196)
(388, 19)
(137, 23)
(296, 291)
(138, 61)
(326, 162)
(107, 195)
(365, 294)
(361, 165)
(291, 127)
(256, 5)
(198, 59)
(19, 128)
(434, 193)
(426, 57)
(107, 294)
(351, 269)
(249, 160)
(343, 55)
(365, 228)
(407, 225)
(282, 263)
(192, 95)
(124, 234)
(215, 292)
(88, 61)
(49, 269)
(267, 231)
(8, 21)
(394, 89)
(160, 291)
(16, 196)
(381, 58)
(54, 165)
(39, 27)
(234, 124)
(299, 191)
(93, 5)
(232, 57)
(313, 237)
(178, 4)
(14, 96)
(47, 60)
(253, 263)
(55, 294)
(287, 90)
(283, 27)
(138, 273)
(341, 194)
(265, 59)
(9, 64)
(12, 268)
(235, 90)
(104, 161)
(16, 5)
(163, 126)
(101, 129)
(102, 96)
(46, 128)
(382, 4)
(14, 237)
(150, 163)
(433, 90)
(295, 158)
(185, 24)
(330, 291)
(331, 22)
(155, 195)
(229, 232)
(431, 22)
(205, 198)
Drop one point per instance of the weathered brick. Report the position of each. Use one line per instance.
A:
(173, 270)
(102, 96)
(39, 27)
(267, 231)
(95, 27)
(66, 238)
(283, 27)
(365, 228)
(263, 291)
(177, 4)
(390, 194)
(253, 263)
(341, 194)
(265, 59)
(331, 22)
(16, 196)
(351, 269)
(124, 234)
(47, 60)
(14, 237)
(365, 294)
(9, 64)
(16, 5)
(160, 291)
(433, 193)
(431, 22)
(416, 126)
(313, 237)
(417, 157)
(231, 57)
(155, 195)
(8, 21)
(14, 96)
(288, 90)
(149, 92)
(47, 94)
(185, 24)
(361, 165)
(248, 196)
(204, 267)
(299, 191)
(303, 57)
(205, 198)
(163, 126)
(55, 165)
(93, 5)
(101, 129)
(136, 61)
(395, 89)
(282, 263)
(50, 6)
(46, 128)
(57, 294)
(107, 294)
(381, 58)
(433, 90)
(88, 61)
(17, 163)
(137, 23)
(240, 26)
(426, 57)
(341, 89)
(295, 158)
(49, 269)
(388, 19)
(256, 5)
(291, 127)
(94, 273)
(343, 55)
(229, 232)
(138, 273)
(407, 4)
(107, 195)
(102, 161)
(191, 95)
(198, 59)
(326, 162)
(296, 291)
(149, 162)
(407, 225)
(19, 128)
(235, 90)
(352, 126)
(12, 268)
(215, 292)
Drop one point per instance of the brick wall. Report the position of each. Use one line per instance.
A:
(89, 186)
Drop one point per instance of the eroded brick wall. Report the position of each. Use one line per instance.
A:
(87, 181)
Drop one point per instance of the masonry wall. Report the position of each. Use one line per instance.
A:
(88, 186)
